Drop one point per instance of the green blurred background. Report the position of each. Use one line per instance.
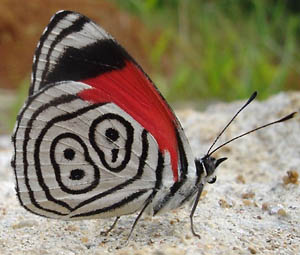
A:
(195, 51)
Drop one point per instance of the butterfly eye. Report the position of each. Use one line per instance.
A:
(213, 180)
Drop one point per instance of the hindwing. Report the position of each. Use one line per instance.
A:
(77, 159)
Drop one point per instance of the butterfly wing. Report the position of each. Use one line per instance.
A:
(75, 58)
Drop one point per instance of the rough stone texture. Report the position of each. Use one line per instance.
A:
(253, 208)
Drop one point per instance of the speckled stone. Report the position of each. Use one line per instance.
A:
(259, 212)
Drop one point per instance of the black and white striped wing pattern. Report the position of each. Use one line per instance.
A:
(77, 160)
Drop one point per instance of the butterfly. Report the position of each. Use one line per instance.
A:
(95, 138)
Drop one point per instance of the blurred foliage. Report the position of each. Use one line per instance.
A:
(222, 49)
(22, 93)
(193, 50)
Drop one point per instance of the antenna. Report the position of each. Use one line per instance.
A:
(217, 138)
(291, 115)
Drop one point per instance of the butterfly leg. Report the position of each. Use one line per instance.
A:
(105, 233)
(194, 209)
(137, 219)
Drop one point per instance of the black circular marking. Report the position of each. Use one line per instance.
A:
(112, 134)
(69, 154)
(77, 174)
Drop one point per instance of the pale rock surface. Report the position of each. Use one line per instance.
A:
(249, 210)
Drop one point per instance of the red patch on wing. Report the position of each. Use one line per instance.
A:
(130, 89)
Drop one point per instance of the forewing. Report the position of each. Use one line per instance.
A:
(74, 48)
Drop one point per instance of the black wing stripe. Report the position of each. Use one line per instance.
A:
(183, 176)
(54, 21)
(114, 206)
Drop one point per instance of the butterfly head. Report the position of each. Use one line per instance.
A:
(209, 165)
